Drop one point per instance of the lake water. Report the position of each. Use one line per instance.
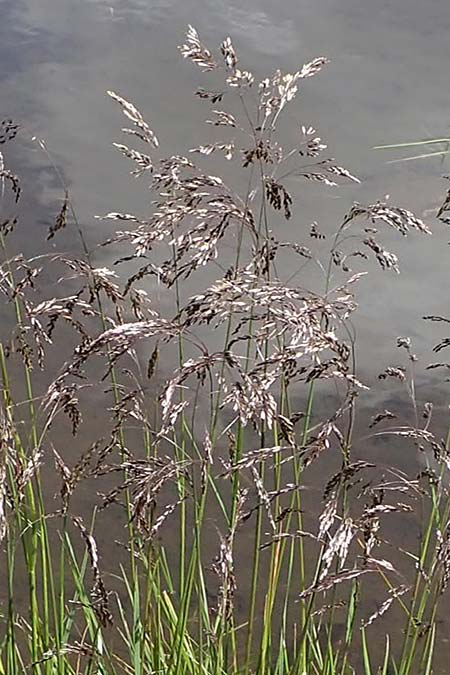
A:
(387, 82)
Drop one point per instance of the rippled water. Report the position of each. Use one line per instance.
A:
(387, 82)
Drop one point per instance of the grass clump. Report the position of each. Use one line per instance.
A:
(253, 536)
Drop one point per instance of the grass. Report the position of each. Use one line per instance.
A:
(442, 145)
(254, 538)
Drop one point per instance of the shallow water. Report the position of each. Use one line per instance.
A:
(387, 82)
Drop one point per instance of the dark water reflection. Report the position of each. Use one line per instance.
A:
(388, 81)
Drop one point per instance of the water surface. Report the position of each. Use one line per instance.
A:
(387, 82)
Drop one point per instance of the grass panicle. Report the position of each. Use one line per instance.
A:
(202, 400)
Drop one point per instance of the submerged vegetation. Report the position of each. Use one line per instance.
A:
(252, 536)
